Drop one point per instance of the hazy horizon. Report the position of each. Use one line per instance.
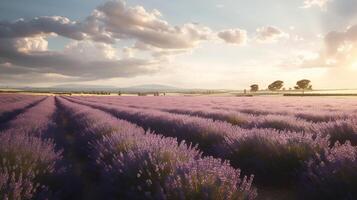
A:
(202, 44)
(165, 87)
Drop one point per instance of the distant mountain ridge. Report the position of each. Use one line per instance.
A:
(153, 86)
(81, 86)
(150, 88)
(137, 88)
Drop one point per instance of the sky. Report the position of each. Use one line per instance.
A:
(228, 44)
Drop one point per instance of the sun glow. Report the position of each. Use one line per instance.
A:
(354, 66)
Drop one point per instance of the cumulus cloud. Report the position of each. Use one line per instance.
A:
(93, 52)
(342, 8)
(145, 26)
(341, 46)
(340, 51)
(270, 34)
(87, 60)
(109, 22)
(41, 25)
(88, 50)
(234, 36)
(31, 44)
(165, 54)
(12, 74)
(87, 29)
(318, 3)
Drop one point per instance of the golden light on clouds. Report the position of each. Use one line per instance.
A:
(224, 45)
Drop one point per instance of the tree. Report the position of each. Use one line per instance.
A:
(303, 85)
(254, 88)
(276, 85)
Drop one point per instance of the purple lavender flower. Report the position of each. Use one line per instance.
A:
(139, 164)
(332, 174)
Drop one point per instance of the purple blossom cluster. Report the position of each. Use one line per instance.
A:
(12, 98)
(177, 147)
(274, 157)
(332, 174)
(245, 148)
(37, 120)
(10, 107)
(310, 109)
(290, 119)
(25, 161)
(274, 121)
(27, 157)
(272, 146)
(138, 164)
(340, 130)
(204, 132)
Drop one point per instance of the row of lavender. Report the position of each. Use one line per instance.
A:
(124, 157)
(276, 157)
(340, 127)
(29, 160)
(134, 164)
(222, 139)
(11, 98)
(310, 109)
(156, 167)
(10, 106)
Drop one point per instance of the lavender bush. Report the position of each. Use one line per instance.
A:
(12, 108)
(177, 147)
(136, 164)
(27, 158)
(338, 131)
(276, 158)
(332, 175)
(245, 148)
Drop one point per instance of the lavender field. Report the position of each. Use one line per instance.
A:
(91, 147)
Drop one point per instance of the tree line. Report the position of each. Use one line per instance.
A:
(303, 85)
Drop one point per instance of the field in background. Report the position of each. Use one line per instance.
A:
(176, 147)
(180, 92)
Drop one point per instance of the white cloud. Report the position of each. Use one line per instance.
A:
(84, 59)
(335, 40)
(31, 44)
(41, 25)
(318, 3)
(270, 34)
(234, 36)
(340, 51)
(145, 26)
(44, 25)
(91, 54)
(88, 50)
